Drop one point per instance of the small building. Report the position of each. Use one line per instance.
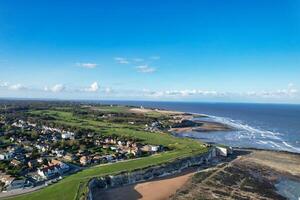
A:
(84, 160)
(6, 179)
(69, 157)
(15, 162)
(67, 135)
(48, 172)
(54, 168)
(150, 148)
(223, 151)
(18, 184)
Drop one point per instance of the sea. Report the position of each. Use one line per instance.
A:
(262, 126)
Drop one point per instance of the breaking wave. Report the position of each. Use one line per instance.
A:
(245, 135)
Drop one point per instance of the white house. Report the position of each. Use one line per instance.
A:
(154, 148)
(55, 168)
(223, 151)
(48, 172)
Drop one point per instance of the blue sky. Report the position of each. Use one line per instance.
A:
(230, 50)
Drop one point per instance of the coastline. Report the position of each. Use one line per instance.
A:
(163, 187)
(181, 113)
(179, 186)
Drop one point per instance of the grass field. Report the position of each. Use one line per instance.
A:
(74, 186)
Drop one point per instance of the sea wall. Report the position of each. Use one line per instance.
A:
(148, 173)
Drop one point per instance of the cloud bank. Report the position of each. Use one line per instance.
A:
(289, 93)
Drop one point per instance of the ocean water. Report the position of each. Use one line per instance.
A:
(265, 126)
(289, 189)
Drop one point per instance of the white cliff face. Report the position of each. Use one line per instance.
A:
(149, 173)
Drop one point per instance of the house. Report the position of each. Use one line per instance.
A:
(97, 142)
(110, 141)
(63, 167)
(18, 184)
(54, 168)
(150, 148)
(154, 148)
(19, 124)
(59, 152)
(84, 160)
(223, 151)
(6, 179)
(67, 135)
(15, 162)
(42, 147)
(120, 143)
(48, 171)
(69, 157)
(96, 159)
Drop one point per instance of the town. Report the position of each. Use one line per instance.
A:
(33, 154)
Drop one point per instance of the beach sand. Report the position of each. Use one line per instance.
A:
(157, 189)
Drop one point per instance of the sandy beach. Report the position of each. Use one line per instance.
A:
(157, 189)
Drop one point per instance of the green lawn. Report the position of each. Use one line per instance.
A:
(74, 186)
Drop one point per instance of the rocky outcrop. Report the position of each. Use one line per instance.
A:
(148, 173)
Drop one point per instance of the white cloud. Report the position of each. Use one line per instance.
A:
(94, 87)
(121, 60)
(145, 69)
(17, 87)
(55, 88)
(183, 93)
(87, 65)
(290, 92)
(3, 84)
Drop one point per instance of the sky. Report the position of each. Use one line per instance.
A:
(173, 50)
